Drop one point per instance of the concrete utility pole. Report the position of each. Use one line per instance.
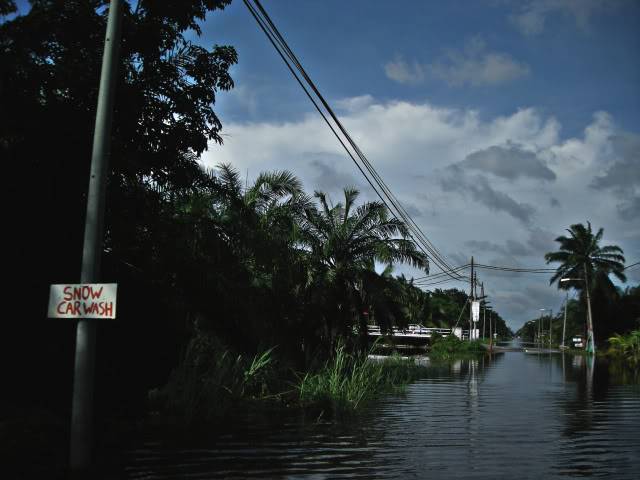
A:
(471, 296)
(550, 322)
(564, 323)
(82, 402)
(591, 341)
(484, 309)
(540, 329)
(490, 331)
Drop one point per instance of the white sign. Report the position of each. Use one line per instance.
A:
(475, 311)
(84, 300)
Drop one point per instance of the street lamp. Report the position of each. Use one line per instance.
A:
(540, 327)
(591, 344)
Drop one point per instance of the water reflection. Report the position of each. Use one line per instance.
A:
(510, 415)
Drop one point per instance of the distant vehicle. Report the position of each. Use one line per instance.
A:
(578, 341)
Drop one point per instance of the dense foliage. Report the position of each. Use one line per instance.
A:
(626, 347)
(622, 314)
(614, 310)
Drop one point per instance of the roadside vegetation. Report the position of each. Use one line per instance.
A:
(451, 347)
(347, 381)
(626, 348)
(212, 380)
(583, 262)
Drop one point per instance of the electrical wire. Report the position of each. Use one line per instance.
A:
(387, 196)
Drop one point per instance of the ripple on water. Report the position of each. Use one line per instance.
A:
(518, 416)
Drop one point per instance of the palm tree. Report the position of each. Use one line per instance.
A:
(582, 259)
(344, 245)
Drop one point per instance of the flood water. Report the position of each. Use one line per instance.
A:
(515, 415)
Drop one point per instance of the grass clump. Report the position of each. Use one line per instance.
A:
(626, 348)
(347, 381)
(449, 347)
(211, 379)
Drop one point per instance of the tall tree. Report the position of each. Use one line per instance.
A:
(586, 263)
(164, 117)
(344, 244)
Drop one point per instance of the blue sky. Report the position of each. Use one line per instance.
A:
(497, 123)
(571, 68)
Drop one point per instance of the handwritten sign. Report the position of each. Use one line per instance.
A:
(84, 300)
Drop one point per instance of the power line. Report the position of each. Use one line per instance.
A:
(516, 269)
(438, 282)
(441, 274)
(387, 196)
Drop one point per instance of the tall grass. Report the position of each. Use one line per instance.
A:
(626, 348)
(211, 379)
(347, 381)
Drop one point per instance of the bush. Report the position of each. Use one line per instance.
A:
(211, 379)
(626, 347)
(348, 381)
(451, 346)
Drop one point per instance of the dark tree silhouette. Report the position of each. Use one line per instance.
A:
(585, 263)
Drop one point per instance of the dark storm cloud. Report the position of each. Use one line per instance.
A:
(509, 161)
(481, 191)
(624, 173)
(412, 209)
(554, 202)
(530, 300)
(541, 241)
(510, 248)
(630, 209)
(484, 246)
(329, 179)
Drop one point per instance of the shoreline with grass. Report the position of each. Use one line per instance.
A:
(212, 380)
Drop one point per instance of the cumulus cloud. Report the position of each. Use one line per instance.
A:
(622, 175)
(509, 161)
(481, 191)
(418, 147)
(354, 104)
(532, 17)
(473, 65)
(476, 66)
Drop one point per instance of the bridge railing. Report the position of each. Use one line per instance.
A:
(411, 330)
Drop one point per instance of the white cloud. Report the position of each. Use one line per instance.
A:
(473, 65)
(414, 145)
(354, 104)
(532, 17)
(402, 72)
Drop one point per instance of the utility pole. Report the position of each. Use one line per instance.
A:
(550, 322)
(490, 331)
(82, 401)
(484, 309)
(564, 324)
(591, 341)
(540, 329)
(472, 299)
